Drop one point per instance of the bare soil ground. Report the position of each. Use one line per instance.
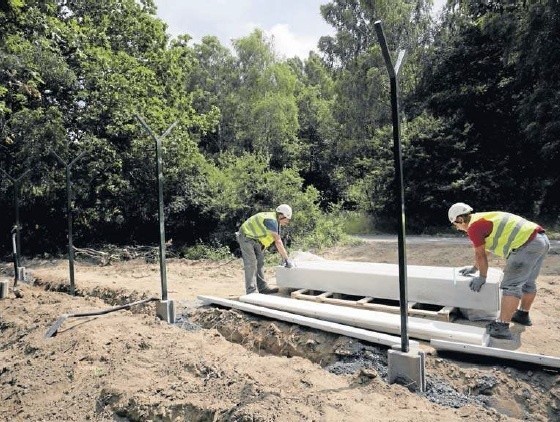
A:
(224, 365)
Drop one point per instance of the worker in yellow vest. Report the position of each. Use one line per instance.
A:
(521, 242)
(255, 235)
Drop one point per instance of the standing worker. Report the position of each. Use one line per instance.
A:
(524, 245)
(255, 235)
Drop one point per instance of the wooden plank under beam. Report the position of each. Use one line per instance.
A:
(443, 314)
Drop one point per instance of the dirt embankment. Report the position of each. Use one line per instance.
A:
(219, 364)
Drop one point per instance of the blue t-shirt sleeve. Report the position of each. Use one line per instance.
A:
(271, 225)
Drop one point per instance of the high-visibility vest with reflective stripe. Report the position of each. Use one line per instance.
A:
(509, 231)
(254, 228)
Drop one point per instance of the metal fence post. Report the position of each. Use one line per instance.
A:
(161, 216)
(399, 190)
(68, 167)
(17, 247)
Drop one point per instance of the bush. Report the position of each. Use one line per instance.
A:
(206, 251)
(247, 185)
(357, 222)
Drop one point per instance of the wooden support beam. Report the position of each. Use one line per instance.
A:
(443, 313)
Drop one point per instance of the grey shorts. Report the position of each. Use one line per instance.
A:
(523, 266)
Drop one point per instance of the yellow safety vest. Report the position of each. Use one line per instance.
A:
(509, 231)
(254, 228)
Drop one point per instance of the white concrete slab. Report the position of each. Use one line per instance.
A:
(331, 327)
(425, 284)
(544, 360)
(419, 328)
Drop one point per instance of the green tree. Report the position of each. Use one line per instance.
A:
(267, 120)
(361, 106)
(489, 106)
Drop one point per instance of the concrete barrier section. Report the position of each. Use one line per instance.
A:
(425, 284)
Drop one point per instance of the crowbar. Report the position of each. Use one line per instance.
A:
(54, 328)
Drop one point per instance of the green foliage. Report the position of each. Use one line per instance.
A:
(327, 232)
(356, 222)
(480, 95)
(502, 154)
(245, 185)
(201, 250)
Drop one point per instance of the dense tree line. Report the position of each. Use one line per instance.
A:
(479, 94)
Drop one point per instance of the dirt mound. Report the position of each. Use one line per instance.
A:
(220, 364)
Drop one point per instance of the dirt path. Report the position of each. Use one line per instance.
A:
(217, 364)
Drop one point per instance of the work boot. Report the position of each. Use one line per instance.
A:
(498, 329)
(522, 317)
(269, 290)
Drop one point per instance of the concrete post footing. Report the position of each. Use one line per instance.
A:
(3, 289)
(407, 368)
(165, 310)
(22, 274)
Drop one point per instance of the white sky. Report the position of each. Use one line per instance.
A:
(296, 25)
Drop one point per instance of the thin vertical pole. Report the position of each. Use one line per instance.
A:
(68, 167)
(161, 219)
(161, 215)
(16, 230)
(18, 234)
(399, 190)
(70, 240)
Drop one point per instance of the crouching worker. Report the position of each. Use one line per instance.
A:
(255, 235)
(521, 242)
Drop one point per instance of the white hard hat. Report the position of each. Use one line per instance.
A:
(285, 209)
(458, 209)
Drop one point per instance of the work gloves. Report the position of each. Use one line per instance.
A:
(476, 283)
(288, 263)
(468, 270)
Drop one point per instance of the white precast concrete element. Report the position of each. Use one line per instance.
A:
(3, 288)
(410, 367)
(544, 360)
(165, 310)
(420, 328)
(431, 285)
(332, 327)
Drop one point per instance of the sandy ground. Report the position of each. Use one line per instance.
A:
(224, 365)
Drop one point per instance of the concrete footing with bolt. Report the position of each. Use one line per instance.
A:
(3, 288)
(22, 274)
(165, 310)
(407, 368)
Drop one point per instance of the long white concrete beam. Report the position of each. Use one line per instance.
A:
(425, 284)
(332, 327)
(544, 360)
(419, 328)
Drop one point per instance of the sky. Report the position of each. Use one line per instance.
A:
(296, 25)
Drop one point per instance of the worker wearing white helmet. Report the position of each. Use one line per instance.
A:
(524, 245)
(255, 235)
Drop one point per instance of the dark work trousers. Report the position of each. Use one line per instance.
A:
(252, 252)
